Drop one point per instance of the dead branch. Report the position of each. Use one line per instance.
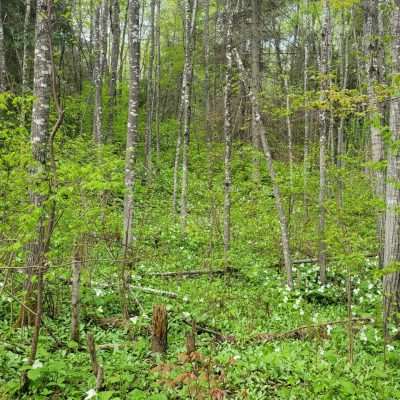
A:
(157, 292)
(192, 274)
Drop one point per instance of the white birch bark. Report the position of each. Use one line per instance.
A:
(97, 80)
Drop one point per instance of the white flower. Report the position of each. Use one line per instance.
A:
(363, 336)
(37, 364)
(90, 394)
(356, 291)
(100, 309)
(185, 299)
(301, 312)
(134, 320)
(370, 286)
(98, 291)
(390, 347)
(186, 315)
(361, 299)
(329, 329)
(315, 318)
(321, 352)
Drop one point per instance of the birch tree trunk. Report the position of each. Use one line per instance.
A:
(121, 52)
(25, 57)
(97, 80)
(391, 281)
(306, 166)
(150, 97)
(228, 132)
(2, 54)
(323, 121)
(373, 44)
(157, 94)
(255, 80)
(271, 170)
(131, 138)
(190, 22)
(112, 92)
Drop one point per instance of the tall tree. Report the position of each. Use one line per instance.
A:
(112, 92)
(373, 45)
(228, 132)
(150, 94)
(391, 281)
(270, 166)
(2, 53)
(25, 56)
(190, 23)
(324, 127)
(97, 80)
(131, 138)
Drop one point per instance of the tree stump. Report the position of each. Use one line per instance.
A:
(159, 329)
(191, 340)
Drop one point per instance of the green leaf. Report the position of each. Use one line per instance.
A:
(34, 374)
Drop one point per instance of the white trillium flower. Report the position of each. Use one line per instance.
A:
(389, 347)
(301, 312)
(329, 329)
(37, 364)
(134, 320)
(90, 394)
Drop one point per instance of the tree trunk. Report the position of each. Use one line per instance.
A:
(271, 170)
(159, 337)
(190, 22)
(97, 80)
(228, 132)
(2, 55)
(112, 93)
(75, 291)
(157, 94)
(373, 45)
(131, 139)
(25, 57)
(391, 281)
(150, 97)
(255, 81)
(323, 121)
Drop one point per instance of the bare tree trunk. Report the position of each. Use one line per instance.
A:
(255, 79)
(373, 45)
(159, 337)
(2, 55)
(131, 139)
(121, 52)
(391, 281)
(75, 291)
(306, 166)
(104, 14)
(112, 93)
(289, 130)
(190, 22)
(270, 166)
(157, 94)
(25, 57)
(98, 81)
(323, 120)
(228, 132)
(150, 97)
(40, 141)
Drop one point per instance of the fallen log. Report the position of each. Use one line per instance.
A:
(211, 331)
(306, 330)
(193, 273)
(157, 292)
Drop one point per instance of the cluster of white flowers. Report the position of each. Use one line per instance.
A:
(90, 394)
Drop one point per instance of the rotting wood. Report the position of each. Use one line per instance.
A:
(159, 331)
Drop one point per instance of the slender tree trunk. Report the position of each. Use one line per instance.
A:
(75, 291)
(150, 97)
(131, 139)
(25, 57)
(373, 45)
(2, 54)
(306, 166)
(112, 92)
(98, 81)
(270, 166)
(255, 79)
(323, 121)
(289, 131)
(391, 281)
(228, 132)
(190, 22)
(104, 14)
(157, 94)
(40, 151)
(121, 52)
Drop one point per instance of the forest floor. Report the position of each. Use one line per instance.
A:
(310, 364)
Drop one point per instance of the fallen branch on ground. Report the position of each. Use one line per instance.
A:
(212, 331)
(306, 330)
(157, 292)
(193, 273)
